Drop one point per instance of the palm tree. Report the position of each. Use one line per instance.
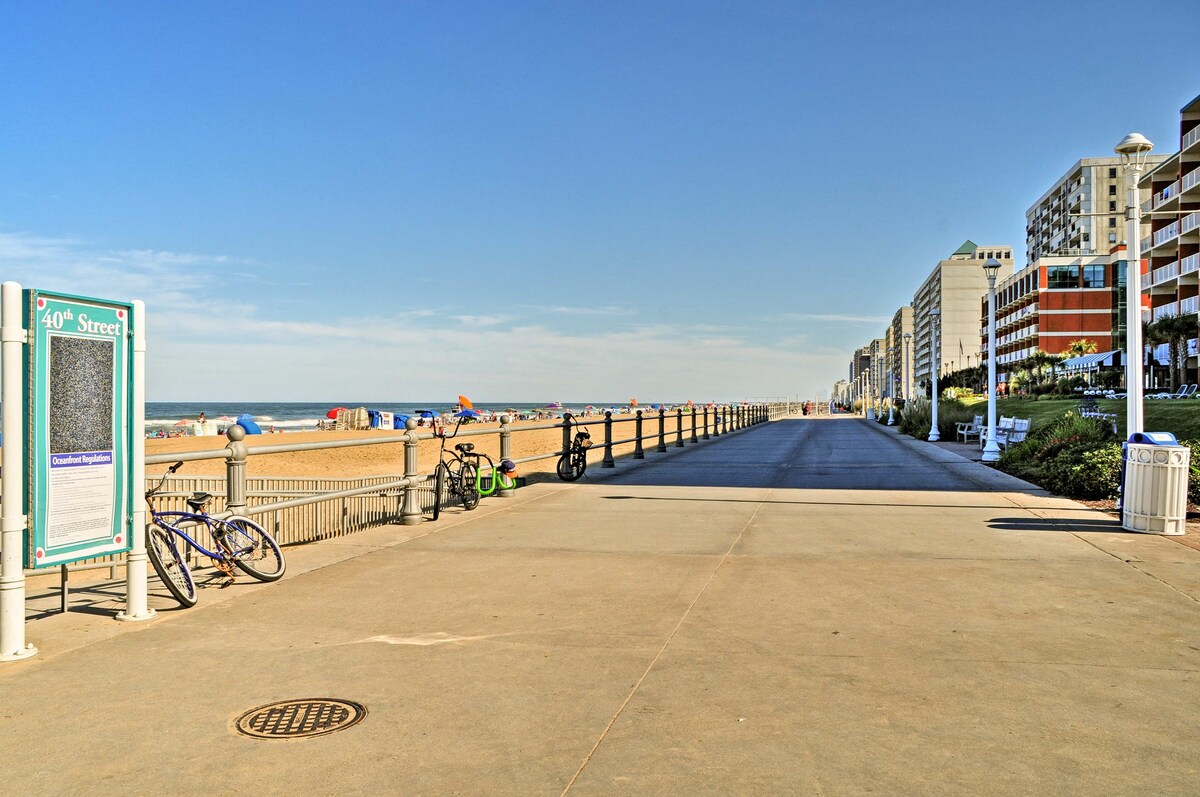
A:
(1079, 348)
(1175, 331)
(1037, 363)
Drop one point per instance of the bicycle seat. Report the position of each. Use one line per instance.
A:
(465, 448)
(199, 500)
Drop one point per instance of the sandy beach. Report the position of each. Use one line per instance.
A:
(388, 459)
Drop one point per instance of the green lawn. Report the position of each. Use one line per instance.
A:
(1181, 417)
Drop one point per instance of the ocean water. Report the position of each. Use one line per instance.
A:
(304, 416)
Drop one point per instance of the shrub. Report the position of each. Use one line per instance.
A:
(917, 417)
(1074, 457)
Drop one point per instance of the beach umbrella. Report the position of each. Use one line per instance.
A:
(183, 422)
(466, 403)
(426, 413)
(332, 414)
(633, 402)
(466, 414)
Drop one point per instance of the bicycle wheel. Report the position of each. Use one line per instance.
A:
(572, 465)
(251, 548)
(468, 485)
(169, 564)
(440, 483)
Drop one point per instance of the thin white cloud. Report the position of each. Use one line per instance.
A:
(559, 309)
(840, 318)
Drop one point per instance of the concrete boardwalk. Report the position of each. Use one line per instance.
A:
(808, 607)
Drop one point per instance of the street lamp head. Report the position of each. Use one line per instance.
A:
(907, 337)
(990, 267)
(1133, 150)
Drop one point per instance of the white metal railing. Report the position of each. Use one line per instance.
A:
(1189, 305)
(1146, 281)
(1167, 193)
(1166, 233)
(1190, 179)
(1189, 264)
(1189, 222)
(1191, 137)
(1165, 311)
(1169, 271)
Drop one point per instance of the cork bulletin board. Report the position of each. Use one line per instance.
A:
(79, 427)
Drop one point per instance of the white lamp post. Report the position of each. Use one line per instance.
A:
(991, 449)
(891, 388)
(905, 382)
(1133, 149)
(934, 316)
(868, 398)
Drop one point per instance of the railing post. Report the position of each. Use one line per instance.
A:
(608, 462)
(706, 437)
(411, 515)
(725, 417)
(235, 470)
(716, 432)
(505, 450)
(662, 434)
(694, 438)
(679, 427)
(638, 453)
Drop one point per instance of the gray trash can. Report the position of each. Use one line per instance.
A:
(1155, 486)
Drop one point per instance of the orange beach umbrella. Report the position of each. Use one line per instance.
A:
(466, 403)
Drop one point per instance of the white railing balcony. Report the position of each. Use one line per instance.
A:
(1189, 305)
(1166, 233)
(1190, 180)
(1167, 193)
(1189, 264)
(1169, 271)
(1192, 137)
(1190, 222)
(1166, 311)
(1145, 281)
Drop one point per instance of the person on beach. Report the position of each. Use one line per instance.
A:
(200, 418)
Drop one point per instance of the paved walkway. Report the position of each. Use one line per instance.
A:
(809, 607)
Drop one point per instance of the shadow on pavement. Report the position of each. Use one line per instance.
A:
(1052, 524)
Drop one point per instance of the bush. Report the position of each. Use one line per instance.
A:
(917, 417)
(1074, 457)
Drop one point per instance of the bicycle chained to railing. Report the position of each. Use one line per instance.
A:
(573, 462)
(459, 474)
(238, 542)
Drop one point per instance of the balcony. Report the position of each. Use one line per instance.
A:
(1166, 311)
(1160, 275)
(1166, 234)
(1146, 282)
(1191, 137)
(1170, 192)
(1190, 222)
(1189, 264)
(1189, 305)
(1190, 180)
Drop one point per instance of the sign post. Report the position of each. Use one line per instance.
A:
(12, 472)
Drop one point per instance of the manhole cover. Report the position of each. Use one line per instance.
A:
(291, 719)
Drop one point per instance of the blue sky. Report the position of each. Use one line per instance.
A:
(523, 201)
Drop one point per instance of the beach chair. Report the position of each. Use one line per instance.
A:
(968, 430)
(1016, 434)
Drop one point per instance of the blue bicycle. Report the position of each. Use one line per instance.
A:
(238, 542)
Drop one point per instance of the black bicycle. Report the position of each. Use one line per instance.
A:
(456, 475)
(573, 463)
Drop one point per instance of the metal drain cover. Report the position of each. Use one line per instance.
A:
(294, 719)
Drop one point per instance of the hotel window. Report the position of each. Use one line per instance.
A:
(1062, 277)
(1112, 190)
(1112, 222)
(1112, 237)
(1093, 276)
(1112, 205)
(1112, 173)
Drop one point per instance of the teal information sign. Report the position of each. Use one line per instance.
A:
(78, 383)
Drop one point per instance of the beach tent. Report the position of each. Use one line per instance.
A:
(247, 423)
(399, 421)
